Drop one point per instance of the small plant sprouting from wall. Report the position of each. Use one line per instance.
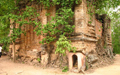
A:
(38, 59)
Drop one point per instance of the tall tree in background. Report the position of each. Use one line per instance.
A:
(116, 31)
(6, 7)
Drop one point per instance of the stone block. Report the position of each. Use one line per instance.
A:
(54, 57)
(35, 61)
(22, 58)
(44, 59)
(32, 54)
(92, 58)
(80, 45)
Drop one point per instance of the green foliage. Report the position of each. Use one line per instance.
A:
(23, 62)
(63, 3)
(116, 38)
(6, 7)
(6, 42)
(38, 59)
(116, 31)
(63, 44)
(57, 26)
(29, 14)
(103, 6)
(87, 67)
(4, 29)
(17, 18)
(65, 69)
(60, 24)
(105, 46)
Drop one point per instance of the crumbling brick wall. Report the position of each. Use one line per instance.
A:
(84, 38)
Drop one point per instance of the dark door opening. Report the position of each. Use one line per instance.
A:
(75, 61)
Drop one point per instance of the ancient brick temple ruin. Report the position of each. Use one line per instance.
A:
(89, 39)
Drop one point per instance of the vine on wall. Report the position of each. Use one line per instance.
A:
(60, 25)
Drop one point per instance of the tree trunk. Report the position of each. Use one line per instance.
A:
(14, 52)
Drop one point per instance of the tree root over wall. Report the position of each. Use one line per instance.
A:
(105, 54)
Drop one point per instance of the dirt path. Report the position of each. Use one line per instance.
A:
(7, 67)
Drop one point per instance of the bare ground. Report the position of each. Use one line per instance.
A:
(7, 67)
